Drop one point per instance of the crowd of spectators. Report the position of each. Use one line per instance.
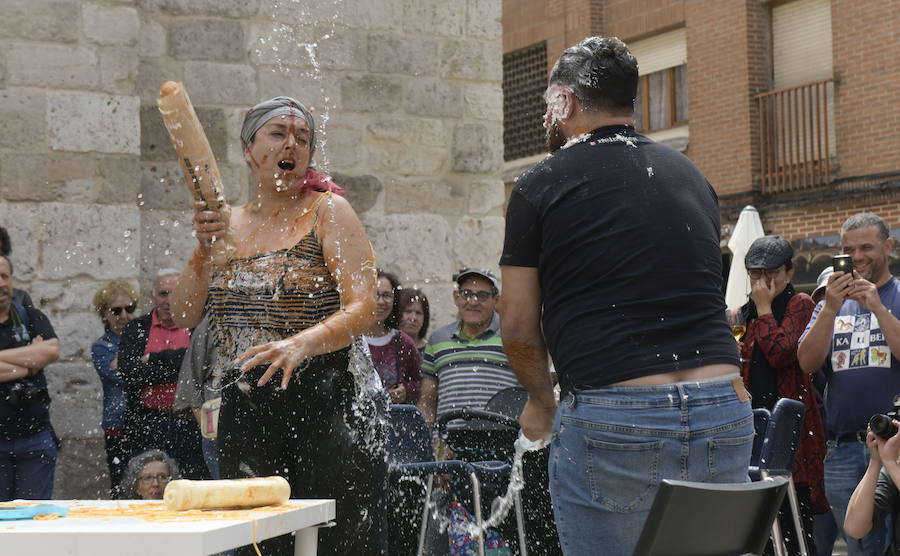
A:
(161, 398)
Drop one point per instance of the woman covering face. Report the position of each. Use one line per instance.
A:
(284, 310)
(776, 315)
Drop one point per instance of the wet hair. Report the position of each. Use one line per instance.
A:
(137, 464)
(393, 320)
(257, 116)
(5, 245)
(864, 220)
(601, 72)
(407, 297)
(108, 293)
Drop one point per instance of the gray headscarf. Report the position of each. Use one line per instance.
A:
(278, 106)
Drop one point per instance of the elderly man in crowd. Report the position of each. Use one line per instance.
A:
(150, 356)
(464, 363)
(27, 442)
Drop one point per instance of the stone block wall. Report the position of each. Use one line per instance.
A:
(408, 99)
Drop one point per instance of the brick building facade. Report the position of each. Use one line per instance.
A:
(755, 127)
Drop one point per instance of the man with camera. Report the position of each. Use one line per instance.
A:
(27, 442)
(855, 329)
(876, 496)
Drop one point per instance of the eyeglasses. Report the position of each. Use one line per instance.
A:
(481, 296)
(385, 295)
(118, 310)
(162, 478)
(756, 273)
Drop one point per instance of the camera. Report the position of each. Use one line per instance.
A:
(843, 263)
(881, 423)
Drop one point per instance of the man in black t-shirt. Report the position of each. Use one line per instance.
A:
(612, 263)
(27, 443)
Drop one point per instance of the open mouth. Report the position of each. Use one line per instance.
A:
(286, 164)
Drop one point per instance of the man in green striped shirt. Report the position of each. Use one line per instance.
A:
(464, 363)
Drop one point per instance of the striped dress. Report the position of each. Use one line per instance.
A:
(270, 296)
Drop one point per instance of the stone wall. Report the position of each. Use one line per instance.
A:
(409, 103)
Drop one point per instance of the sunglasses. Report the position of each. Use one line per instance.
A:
(118, 310)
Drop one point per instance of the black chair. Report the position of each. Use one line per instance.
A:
(711, 519)
(410, 454)
(776, 458)
(509, 402)
(761, 417)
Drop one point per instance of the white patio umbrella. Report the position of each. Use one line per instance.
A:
(748, 228)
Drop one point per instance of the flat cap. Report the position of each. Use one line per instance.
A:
(768, 252)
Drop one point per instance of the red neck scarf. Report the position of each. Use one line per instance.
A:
(316, 181)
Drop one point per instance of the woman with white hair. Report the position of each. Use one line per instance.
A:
(147, 475)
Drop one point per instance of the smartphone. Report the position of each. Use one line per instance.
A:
(844, 263)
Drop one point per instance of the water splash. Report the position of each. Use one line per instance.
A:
(289, 39)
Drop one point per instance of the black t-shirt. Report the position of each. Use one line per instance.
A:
(625, 233)
(24, 403)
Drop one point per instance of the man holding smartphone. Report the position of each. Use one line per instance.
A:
(855, 328)
(649, 375)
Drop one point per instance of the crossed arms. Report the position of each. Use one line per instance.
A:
(16, 363)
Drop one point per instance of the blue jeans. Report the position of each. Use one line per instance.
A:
(845, 464)
(211, 456)
(612, 446)
(27, 466)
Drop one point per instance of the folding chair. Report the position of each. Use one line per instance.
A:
(711, 519)
(776, 458)
(410, 454)
(509, 402)
(761, 417)
(501, 430)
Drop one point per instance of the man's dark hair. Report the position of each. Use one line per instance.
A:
(5, 245)
(602, 73)
(864, 220)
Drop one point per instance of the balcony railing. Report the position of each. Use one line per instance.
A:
(797, 136)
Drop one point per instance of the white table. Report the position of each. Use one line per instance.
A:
(132, 536)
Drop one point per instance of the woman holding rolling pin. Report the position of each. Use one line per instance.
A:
(297, 397)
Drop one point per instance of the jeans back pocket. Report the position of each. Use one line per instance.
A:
(623, 475)
(729, 457)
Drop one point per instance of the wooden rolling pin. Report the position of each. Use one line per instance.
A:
(196, 160)
(229, 493)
